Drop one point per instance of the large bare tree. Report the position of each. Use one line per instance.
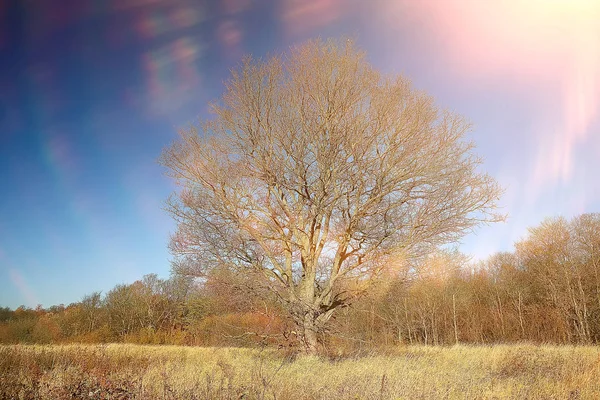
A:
(318, 174)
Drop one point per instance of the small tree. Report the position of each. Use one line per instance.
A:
(318, 174)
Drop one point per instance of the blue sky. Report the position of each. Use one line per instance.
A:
(92, 91)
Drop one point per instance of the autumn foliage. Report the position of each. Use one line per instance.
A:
(546, 291)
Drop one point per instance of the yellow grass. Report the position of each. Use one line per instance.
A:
(120, 371)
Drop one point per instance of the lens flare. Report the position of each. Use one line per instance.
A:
(19, 282)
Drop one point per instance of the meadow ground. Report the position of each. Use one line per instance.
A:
(123, 371)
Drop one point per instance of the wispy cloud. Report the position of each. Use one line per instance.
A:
(152, 22)
(300, 16)
(230, 36)
(173, 77)
(235, 6)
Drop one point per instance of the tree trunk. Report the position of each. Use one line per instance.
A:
(521, 323)
(454, 318)
(309, 334)
(408, 322)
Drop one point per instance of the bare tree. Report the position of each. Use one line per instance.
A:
(316, 175)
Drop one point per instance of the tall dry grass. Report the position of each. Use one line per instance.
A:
(121, 371)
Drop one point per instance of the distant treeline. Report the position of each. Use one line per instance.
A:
(546, 291)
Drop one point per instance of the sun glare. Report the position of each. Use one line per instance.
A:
(547, 51)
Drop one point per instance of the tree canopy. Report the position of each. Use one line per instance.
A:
(317, 175)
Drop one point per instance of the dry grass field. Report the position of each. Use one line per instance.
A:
(119, 371)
